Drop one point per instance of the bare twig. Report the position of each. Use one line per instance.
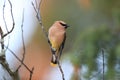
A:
(20, 60)
(103, 67)
(34, 6)
(2, 38)
(24, 51)
(2, 59)
(2, 56)
(4, 16)
(103, 63)
(6, 66)
(61, 70)
(23, 43)
(39, 18)
(5, 22)
(22, 63)
(12, 20)
(31, 73)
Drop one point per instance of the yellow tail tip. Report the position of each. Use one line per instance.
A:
(52, 64)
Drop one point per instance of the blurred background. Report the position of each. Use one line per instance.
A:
(94, 33)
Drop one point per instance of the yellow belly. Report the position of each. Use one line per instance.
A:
(55, 45)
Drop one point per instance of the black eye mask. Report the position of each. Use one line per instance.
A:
(65, 25)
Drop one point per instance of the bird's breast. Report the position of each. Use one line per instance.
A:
(56, 37)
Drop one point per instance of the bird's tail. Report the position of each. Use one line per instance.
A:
(54, 60)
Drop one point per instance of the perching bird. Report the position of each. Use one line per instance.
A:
(57, 37)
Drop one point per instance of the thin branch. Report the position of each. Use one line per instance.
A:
(103, 62)
(60, 68)
(23, 42)
(6, 66)
(24, 50)
(39, 18)
(31, 73)
(12, 20)
(7, 43)
(19, 60)
(2, 38)
(4, 16)
(103, 67)
(2, 57)
(34, 7)
(5, 23)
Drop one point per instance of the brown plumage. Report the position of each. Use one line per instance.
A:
(57, 36)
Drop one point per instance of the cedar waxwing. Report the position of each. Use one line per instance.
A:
(57, 37)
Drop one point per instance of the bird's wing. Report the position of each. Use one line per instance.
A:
(49, 42)
(53, 52)
(62, 46)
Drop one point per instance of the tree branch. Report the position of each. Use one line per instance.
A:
(23, 43)
(39, 18)
(31, 71)
(60, 68)
(103, 63)
(3, 61)
(2, 38)
(5, 22)
(12, 20)
(4, 16)
(2, 54)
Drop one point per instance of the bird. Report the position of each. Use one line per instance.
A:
(56, 39)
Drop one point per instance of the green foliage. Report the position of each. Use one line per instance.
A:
(89, 42)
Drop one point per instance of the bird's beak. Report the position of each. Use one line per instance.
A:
(66, 26)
